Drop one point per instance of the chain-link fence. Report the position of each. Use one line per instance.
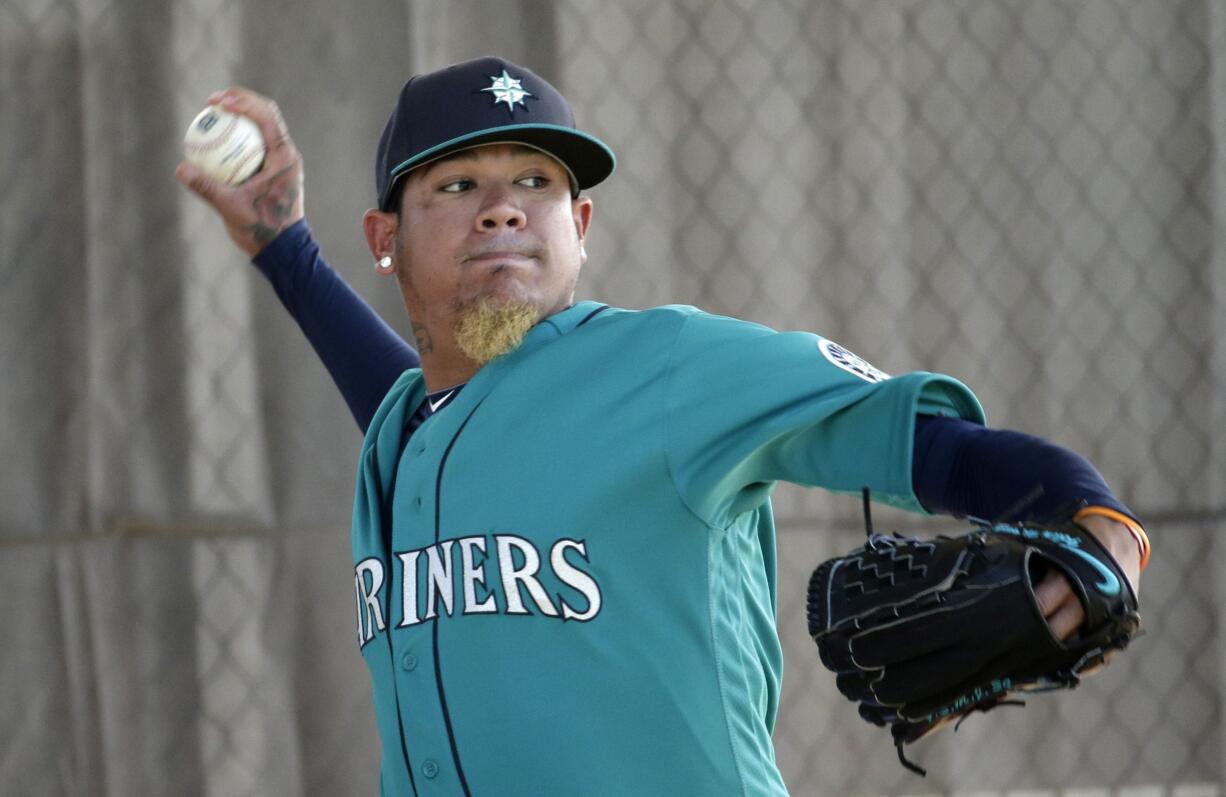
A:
(1019, 194)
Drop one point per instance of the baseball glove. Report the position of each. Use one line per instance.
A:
(924, 632)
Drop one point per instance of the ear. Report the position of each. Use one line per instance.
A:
(380, 229)
(581, 210)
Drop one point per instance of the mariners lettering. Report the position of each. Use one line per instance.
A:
(469, 575)
(474, 574)
(576, 578)
(438, 578)
(523, 574)
(408, 588)
(368, 580)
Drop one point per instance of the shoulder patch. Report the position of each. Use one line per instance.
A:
(850, 362)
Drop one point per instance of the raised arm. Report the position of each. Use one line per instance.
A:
(265, 218)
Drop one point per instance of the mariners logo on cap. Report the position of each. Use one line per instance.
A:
(509, 90)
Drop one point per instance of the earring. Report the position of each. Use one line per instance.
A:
(385, 262)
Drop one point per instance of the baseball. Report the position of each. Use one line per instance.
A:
(226, 146)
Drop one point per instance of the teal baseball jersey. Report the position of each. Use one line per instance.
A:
(565, 579)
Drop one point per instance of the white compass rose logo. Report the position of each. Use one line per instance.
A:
(509, 90)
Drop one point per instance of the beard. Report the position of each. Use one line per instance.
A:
(487, 328)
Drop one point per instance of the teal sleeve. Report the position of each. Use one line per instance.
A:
(749, 406)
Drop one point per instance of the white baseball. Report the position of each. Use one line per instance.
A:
(224, 145)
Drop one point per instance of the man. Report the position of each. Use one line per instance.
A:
(563, 545)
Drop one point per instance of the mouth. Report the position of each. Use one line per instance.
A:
(501, 258)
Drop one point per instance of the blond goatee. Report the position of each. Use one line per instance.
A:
(487, 329)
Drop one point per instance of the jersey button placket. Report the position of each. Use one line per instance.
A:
(423, 724)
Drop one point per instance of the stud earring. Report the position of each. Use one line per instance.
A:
(385, 262)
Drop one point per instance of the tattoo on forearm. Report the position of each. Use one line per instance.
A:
(425, 344)
(275, 205)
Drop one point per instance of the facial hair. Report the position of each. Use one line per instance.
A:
(488, 328)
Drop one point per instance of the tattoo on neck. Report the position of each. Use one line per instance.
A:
(275, 206)
(425, 344)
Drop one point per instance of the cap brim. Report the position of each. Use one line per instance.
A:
(588, 159)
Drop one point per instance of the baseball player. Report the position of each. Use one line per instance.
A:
(563, 548)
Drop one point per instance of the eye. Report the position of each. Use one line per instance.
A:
(456, 186)
(534, 181)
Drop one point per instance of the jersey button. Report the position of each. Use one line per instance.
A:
(408, 661)
(429, 768)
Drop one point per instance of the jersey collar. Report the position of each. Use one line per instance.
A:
(465, 401)
(563, 322)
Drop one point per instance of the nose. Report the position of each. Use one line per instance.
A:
(501, 213)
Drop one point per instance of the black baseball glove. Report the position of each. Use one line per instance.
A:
(924, 632)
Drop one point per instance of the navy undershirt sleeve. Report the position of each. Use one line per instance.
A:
(361, 352)
(960, 468)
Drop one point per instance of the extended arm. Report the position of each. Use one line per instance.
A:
(964, 469)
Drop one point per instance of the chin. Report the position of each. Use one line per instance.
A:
(515, 294)
(490, 326)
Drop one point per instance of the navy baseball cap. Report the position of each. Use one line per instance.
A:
(484, 101)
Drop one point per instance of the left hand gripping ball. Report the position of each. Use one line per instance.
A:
(226, 146)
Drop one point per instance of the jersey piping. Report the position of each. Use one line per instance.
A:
(438, 669)
(385, 505)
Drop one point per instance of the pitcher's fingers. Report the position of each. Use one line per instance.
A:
(1052, 592)
(199, 183)
(1065, 621)
(1060, 605)
(267, 116)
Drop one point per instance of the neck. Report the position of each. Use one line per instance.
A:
(442, 362)
(440, 375)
